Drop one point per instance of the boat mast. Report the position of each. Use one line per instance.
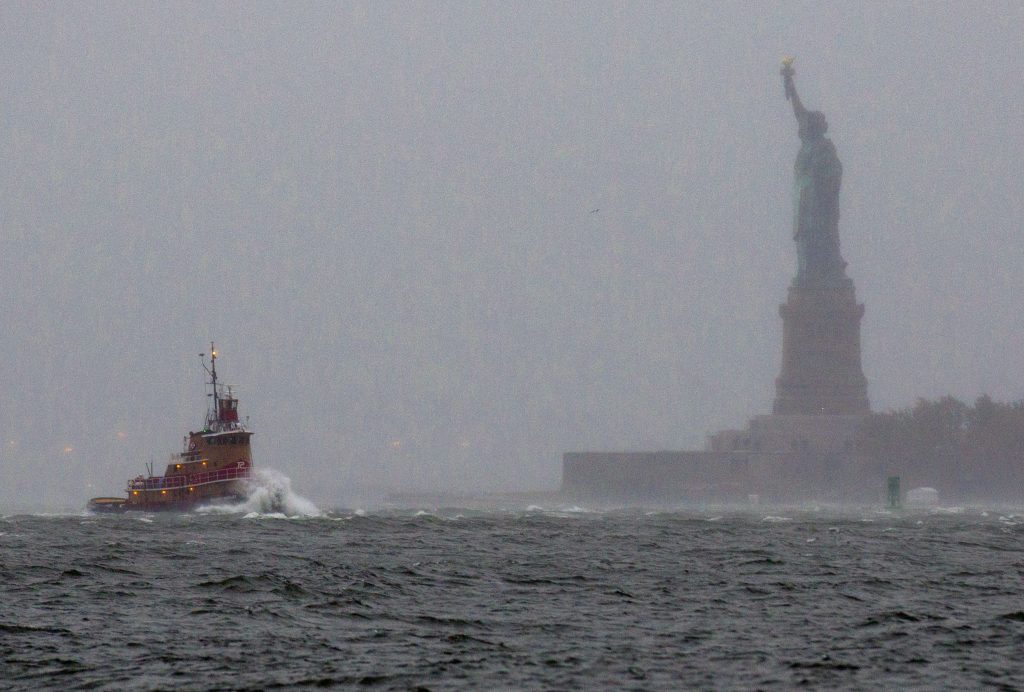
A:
(213, 412)
(213, 376)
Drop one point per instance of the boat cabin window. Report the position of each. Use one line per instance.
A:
(227, 440)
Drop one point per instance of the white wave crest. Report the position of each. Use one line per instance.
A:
(270, 495)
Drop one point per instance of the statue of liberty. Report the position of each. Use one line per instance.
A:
(817, 176)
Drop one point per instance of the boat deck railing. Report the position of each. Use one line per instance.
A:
(192, 479)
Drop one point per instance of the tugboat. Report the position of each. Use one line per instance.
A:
(215, 463)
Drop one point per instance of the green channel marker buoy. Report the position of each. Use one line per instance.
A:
(894, 492)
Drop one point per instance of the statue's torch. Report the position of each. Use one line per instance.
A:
(787, 73)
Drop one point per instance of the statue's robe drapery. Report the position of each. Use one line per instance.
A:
(817, 177)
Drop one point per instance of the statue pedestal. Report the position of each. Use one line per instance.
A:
(821, 369)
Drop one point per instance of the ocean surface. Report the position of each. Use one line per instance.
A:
(279, 593)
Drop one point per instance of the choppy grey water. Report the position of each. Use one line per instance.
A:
(553, 598)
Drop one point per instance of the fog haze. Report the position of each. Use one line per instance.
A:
(438, 244)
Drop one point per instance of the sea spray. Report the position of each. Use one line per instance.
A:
(269, 494)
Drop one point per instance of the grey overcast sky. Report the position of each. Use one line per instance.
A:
(438, 244)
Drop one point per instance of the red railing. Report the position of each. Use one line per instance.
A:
(168, 482)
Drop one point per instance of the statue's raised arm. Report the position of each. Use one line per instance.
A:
(787, 73)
